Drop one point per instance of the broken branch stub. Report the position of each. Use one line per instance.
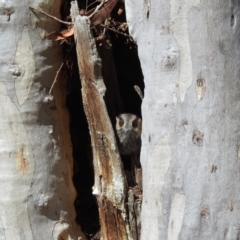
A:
(110, 185)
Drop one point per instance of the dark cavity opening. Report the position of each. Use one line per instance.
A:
(121, 71)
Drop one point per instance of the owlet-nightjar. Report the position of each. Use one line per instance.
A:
(129, 129)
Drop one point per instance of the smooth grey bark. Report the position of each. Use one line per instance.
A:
(189, 52)
(37, 193)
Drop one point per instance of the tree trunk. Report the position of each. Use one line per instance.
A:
(189, 53)
(37, 194)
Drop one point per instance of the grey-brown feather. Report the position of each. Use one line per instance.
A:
(129, 134)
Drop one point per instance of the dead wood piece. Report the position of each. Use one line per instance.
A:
(139, 91)
(137, 191)
(118, 32)
(95, 10)
(104, 13)
(59, 35)
(110, 185)
(136, 170)
(134, 215)
(55, 79)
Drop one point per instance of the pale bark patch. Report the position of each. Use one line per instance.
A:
(158, 163)
(179, 27)
(176, 216)
(24, 59)
(14, 144)
(60, 231)
(175, 99)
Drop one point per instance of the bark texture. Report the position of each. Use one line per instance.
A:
(189, 53)
(37, 194)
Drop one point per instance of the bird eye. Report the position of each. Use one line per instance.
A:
(121, 122)
(135, 123)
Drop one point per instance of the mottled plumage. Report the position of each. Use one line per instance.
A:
(129, 129)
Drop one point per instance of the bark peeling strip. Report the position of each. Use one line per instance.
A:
(179, 28)
(176, 216)
(13, 138)
(24, 59)
(157, 166)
